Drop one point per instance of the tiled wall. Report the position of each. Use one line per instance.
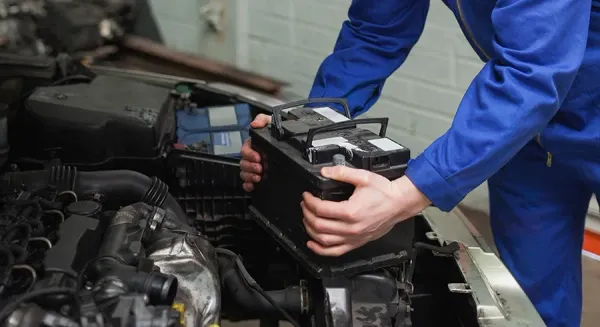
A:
(183, 26)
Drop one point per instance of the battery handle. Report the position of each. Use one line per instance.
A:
(278, 132)
(345, 124)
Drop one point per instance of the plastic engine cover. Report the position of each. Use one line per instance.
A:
(293, 152)
(111, 117)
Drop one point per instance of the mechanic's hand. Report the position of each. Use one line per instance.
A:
(250, 163)
(376, 205)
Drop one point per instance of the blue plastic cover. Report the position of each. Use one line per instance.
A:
(216, 130)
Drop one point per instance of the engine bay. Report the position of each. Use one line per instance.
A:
(49, 27)
(108, 219)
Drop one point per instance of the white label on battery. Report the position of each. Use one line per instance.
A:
(329, 141)
(350, 146)
(222, 116)
(227, 142)
(386, 144)
(331, 114)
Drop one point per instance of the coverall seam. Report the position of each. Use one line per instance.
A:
(430, 182)
(594, 100)
(469, 33)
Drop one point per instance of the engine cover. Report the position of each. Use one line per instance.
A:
(111, 117)
(78, 240)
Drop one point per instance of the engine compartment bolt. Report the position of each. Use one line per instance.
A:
(339, 160)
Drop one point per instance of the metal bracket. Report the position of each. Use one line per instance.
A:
(461, 288)
(214, 11)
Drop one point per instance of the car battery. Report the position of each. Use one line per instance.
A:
(218, 130)
(302, 139)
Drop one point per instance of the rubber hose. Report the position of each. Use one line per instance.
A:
(237, 288)
(122, 186)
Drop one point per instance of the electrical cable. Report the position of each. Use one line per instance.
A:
(73, 194)
(448, 249)
(254, 285)
(21, 228)
(61, 271)
(9, 262)
(86, 266)
(41, 239)
(82, 78)
(57, 213)
(31, 272)
(14, 304)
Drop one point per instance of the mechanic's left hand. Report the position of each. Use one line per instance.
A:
(376, 205)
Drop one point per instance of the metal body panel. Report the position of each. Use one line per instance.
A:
(500, 301)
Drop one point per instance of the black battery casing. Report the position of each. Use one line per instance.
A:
(290, 167)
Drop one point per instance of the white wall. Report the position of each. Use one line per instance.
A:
(288, 39)
(183, 26)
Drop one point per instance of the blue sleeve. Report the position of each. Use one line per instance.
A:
(538, 49)
(372, 44)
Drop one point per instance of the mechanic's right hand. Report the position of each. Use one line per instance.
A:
(250, 163)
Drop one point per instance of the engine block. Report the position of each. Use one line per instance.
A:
(79, 246)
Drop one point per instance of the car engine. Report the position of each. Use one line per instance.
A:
(18, 27)
(43, 27)
(106, 221)
(54, 219)
(114, 247)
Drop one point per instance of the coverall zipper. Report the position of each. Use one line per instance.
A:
(548, 154)
(469, 35)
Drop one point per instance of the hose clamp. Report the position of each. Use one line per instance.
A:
(304, 298)
(157, 218)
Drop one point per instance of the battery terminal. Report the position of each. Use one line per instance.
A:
(339, 160)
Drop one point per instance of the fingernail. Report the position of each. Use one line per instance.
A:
(325, 171)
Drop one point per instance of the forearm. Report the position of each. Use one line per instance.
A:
(372, 44)
(511, 99)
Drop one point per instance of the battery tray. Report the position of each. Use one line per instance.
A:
(302, 139)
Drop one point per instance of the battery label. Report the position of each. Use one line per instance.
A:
(331, 114)
(222, 139)
(222, 116)
(386, 144)
(329, 141)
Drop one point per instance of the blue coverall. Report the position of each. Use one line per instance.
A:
(529, 122)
